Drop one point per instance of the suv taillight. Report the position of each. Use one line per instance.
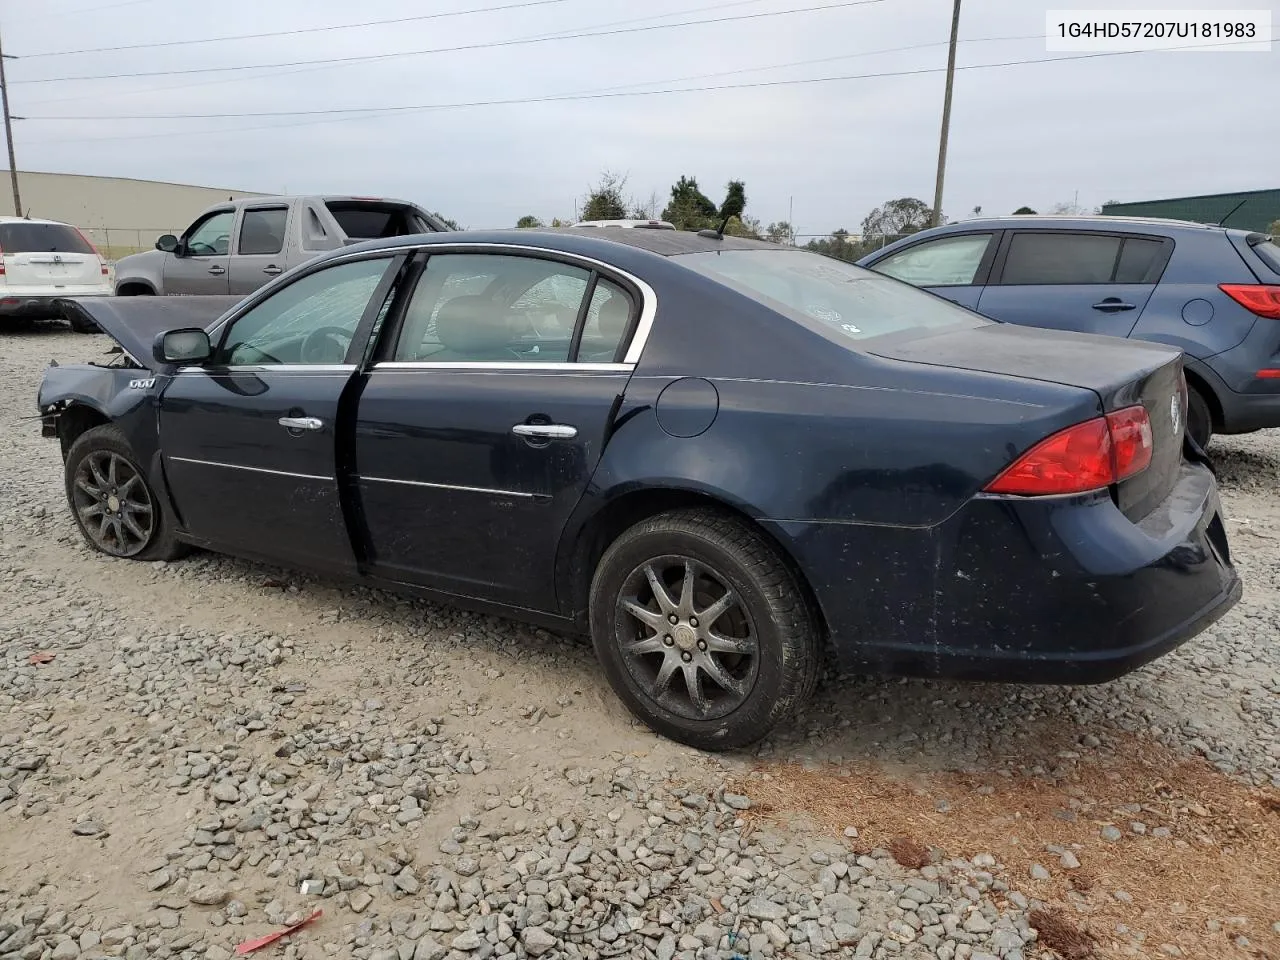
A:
(1087, 456)
(1260, 298)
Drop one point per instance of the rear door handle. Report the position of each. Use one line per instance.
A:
(302, 423)
(217, 271)
(1113, 305)
(271, 270)
(545, 431)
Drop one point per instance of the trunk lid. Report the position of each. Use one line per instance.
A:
(48, 255)
(1122, 373)
(134, 322)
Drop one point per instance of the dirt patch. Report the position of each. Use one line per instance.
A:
(1195, 864)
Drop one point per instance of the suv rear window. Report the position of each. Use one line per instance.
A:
(1270, 254)
(838, 297)
(41, 238)
(373, 221)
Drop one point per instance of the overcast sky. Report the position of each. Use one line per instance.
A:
(1123, 127)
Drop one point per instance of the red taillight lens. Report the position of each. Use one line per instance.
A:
(1260, 298)
(1087, 456)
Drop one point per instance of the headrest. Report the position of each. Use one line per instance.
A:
(614, 316)
(472, 324)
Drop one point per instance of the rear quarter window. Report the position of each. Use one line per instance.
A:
(41, 238)
(1269, 253)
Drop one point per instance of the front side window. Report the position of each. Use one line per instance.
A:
(492, 308)
(945, 262)
(211, 237)
(262, 231)
(829, 295)
(312, 320)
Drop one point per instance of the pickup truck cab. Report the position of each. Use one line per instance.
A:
(234, 248)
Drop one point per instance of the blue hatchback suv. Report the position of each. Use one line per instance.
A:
(1210, 291)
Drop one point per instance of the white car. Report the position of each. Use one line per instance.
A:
(629, 224)
(42, 260)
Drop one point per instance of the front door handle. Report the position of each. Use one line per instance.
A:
(217, 271)
(302, 423)
(271, 270)
(545, 431)
(1113, 305)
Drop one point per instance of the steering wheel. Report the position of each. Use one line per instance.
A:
(319, 345)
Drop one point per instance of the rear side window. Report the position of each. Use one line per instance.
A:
(946, 262)
(829, 295)
(262, 231)
(1072, 258)
(41, 238)
(372, 221)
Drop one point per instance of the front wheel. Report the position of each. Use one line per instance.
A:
(114, 507)
(1199, 418)
(702, 630)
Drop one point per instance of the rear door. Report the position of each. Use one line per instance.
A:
(202, 261)
(259, 248)
(51, 257)
(955, 266)
(484, 417)
(1087, 281)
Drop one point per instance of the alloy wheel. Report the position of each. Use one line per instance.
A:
(113, 503)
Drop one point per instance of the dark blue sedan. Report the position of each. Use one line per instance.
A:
(718, 457)
(1209, 291)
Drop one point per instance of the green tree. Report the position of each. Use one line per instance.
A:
(689, 208)
(447, 221)
(528, 222)
(605, 200)
(780, 232)
(1024, 212)
(896, 217)
(1274, 229)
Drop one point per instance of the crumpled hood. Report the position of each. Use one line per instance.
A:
(133, 322)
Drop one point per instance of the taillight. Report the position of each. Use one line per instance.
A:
(1260, 298)
(102, 262)
(1087, 456)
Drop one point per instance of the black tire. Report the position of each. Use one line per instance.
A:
(1199, 418)
(768, 613)
(103, 452)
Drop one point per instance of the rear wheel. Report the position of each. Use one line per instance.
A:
(1199, 418)
(702, 630)
(114, 507)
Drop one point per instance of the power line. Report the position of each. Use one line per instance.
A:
(352, 113)
(522, 41)
(293, 33)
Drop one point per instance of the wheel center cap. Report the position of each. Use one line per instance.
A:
(113, 504)
(685, 636)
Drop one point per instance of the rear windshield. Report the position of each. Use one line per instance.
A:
(852, 302)
(1270, 254)
(374, 221)
(41, 238)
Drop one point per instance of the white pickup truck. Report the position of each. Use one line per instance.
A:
(235, 247)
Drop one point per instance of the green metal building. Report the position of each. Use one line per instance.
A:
(1249, 210)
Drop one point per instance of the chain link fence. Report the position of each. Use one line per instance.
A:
(116, 242)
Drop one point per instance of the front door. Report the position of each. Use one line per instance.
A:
(201, 264)
(479, 431)
(1081, 281)
(259, 251)
(249, 439)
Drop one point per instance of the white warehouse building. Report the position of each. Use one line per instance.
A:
(120, 215)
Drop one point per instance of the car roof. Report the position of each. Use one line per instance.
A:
(598, 243)
(58, 223)
(1049, 221)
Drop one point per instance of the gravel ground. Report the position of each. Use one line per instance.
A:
(216, 749)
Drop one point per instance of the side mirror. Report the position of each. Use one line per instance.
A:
(168, 243)
(190, 345)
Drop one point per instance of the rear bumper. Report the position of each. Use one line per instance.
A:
(1061, 590)
(39, 305)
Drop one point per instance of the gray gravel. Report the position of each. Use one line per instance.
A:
(219, 748)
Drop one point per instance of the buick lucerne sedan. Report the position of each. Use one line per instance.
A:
(720, 458)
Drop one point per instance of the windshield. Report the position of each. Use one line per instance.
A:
(41, 238)
(849, 301)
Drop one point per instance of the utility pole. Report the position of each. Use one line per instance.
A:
(8, 136)
(946, 116)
